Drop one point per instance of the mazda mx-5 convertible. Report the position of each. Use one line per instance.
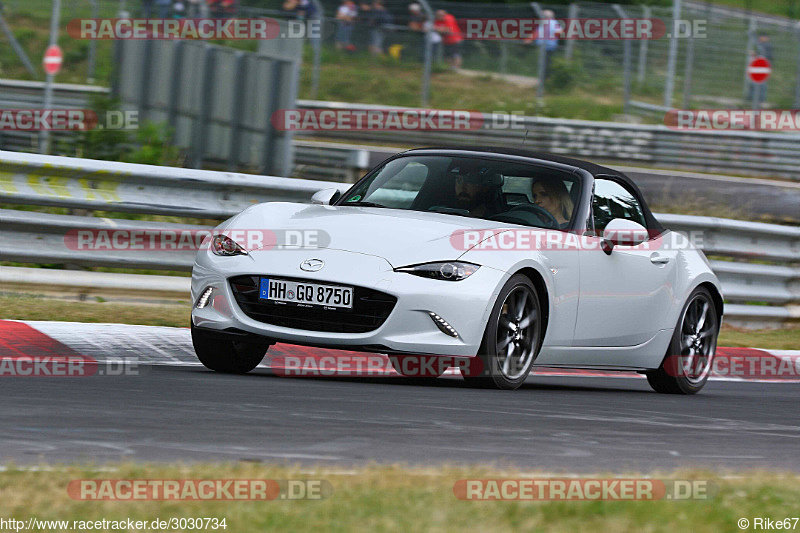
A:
(504, 258)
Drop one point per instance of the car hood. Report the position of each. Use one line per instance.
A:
(401, 237)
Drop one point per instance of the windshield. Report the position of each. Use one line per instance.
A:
(502, 191)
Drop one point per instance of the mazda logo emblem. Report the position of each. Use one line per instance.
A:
(312, 265)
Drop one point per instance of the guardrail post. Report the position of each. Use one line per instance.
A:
(44, 148)
(646, 13)
(234, 147)
(672, 60)
(202, 122)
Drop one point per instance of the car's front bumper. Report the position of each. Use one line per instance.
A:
(465, 305)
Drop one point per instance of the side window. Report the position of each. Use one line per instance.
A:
(611, 200)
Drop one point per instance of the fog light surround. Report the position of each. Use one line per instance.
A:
(443, 325)
(204, 298)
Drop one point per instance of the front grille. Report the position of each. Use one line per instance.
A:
(370, 309)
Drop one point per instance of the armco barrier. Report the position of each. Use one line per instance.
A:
(29, 237)
(738, 152)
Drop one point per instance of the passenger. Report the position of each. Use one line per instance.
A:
(552, 195)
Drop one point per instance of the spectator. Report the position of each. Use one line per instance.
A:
(345, 17)
(546, 36)
(301, 9)
(178, 10)
(447, 26)
(377, 18)
(228, 8)
(215, 8)
(147, 8)
(419, 21)
(193, 9)
(163, 7)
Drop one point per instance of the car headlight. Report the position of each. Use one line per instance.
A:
(224, 245)
(445, 270)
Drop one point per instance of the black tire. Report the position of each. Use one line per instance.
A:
(691, 351)
(516, 328)
(228, 356)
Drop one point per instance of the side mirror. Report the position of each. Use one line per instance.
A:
(326, 196)
(623, 232)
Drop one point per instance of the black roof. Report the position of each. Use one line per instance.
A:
(593, 168)
(590, 167)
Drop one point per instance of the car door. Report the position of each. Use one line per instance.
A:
(625, 296)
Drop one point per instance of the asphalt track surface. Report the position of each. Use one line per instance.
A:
(553, 424)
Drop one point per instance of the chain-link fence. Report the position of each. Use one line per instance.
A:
(647, 75)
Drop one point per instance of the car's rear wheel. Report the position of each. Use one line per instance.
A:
(512, 338)
(228, 356)
(690, 356)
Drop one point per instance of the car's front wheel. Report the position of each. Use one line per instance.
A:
(227, 355)
(687, 365)
(512, 338)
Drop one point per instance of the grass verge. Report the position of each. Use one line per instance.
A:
(15, 307)
(397, 498)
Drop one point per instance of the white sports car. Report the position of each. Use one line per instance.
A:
(502, 258)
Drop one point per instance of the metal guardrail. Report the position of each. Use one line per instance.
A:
(739, 152)
(30, 237)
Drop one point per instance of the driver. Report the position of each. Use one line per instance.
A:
(472, 191)
(552, 195)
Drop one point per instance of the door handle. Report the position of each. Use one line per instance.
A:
(659, 259)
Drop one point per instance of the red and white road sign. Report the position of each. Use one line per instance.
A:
(759, 69)
(53, 58)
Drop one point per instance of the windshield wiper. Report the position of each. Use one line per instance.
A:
(364, 204)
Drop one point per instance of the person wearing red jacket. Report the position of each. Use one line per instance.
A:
(447, 26)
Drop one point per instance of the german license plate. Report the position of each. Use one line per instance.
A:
(303, 294)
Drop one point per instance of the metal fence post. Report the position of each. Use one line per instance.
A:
(272, 106)
(669, 86)
(48, 88)
(626, 64)
(751, 39)
(175, 87)
(797, 81)
(92, 48)
(144, 83)
(17, 47)
(687, 73)
(646, 13)
(201, 126)
(573, 14)
(428, 54)
(316, 46)
(542, 70)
